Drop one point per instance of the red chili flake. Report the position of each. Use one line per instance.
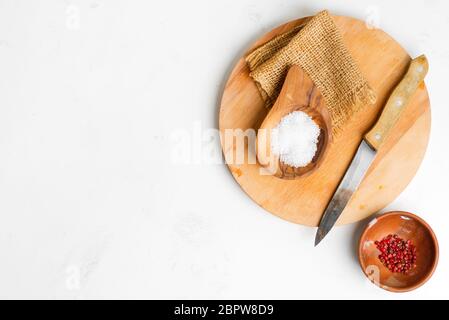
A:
(397, 254)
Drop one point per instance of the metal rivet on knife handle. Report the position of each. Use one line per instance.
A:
(398, 100)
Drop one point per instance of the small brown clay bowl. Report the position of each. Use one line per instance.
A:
(408, 227)
(298, 93)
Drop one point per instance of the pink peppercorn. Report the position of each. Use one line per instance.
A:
(396, 254)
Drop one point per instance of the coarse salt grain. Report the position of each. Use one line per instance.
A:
(295, 139)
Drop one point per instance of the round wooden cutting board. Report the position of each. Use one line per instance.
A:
(383, 62)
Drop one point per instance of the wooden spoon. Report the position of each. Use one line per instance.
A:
(298, 93)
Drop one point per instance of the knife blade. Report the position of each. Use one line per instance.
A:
(371, 142)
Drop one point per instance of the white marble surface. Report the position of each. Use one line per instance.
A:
(91, 203)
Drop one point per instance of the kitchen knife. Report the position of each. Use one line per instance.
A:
(371, 142)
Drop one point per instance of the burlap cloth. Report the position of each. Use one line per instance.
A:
(317, 47)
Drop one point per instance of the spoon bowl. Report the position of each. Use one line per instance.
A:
(298, 93)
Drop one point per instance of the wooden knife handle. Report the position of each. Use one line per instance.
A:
(397, 102)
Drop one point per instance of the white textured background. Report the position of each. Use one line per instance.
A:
(91, 205)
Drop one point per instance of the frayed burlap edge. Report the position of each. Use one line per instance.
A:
(317, 47)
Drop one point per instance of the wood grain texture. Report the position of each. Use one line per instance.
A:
(407, 226)
(298, 93)
(383, 61)
(397, 102)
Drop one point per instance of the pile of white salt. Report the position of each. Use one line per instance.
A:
(295, 139)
